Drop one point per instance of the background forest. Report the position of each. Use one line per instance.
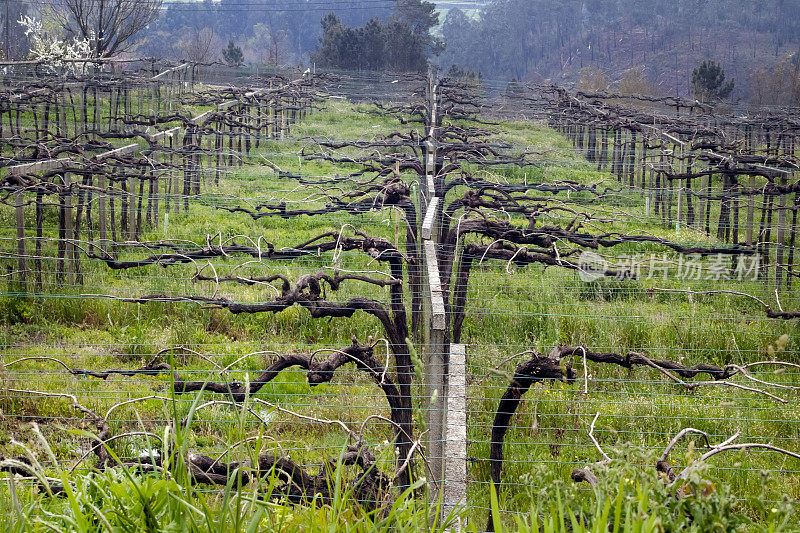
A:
(563, 41)
(529, 40)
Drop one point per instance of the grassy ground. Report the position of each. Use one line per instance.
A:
(508, 312)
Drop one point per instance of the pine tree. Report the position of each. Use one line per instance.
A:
(708, 82)
(233, 55)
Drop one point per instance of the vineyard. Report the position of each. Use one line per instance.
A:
(395, 303)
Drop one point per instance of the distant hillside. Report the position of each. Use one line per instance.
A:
(545, 39)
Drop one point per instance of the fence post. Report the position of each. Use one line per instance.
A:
(779, 237)
(751, 201)
(701, 204)
(101, 209)
(435, 364)
(436, 352)
(19, 199)
(792, 238)
(131, 208)
(69, 252)
(455, 455)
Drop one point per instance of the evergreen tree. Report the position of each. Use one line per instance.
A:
(421, 18)
(708, 82)
(375, 46)
(233, 55)
(405, 50)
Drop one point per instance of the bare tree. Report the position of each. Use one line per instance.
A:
(593, 79)
(635, 81)
(108, 24)
(197, 46)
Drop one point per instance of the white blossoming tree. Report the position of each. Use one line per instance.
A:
(55, 54)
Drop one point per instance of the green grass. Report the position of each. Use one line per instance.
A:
(534, 308)
(123, 499)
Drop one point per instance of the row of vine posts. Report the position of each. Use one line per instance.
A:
(730, 177)
(117, 153)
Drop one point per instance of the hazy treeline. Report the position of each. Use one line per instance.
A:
(14, 43)
(542, 39)
(271, 32)
(651, 45)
